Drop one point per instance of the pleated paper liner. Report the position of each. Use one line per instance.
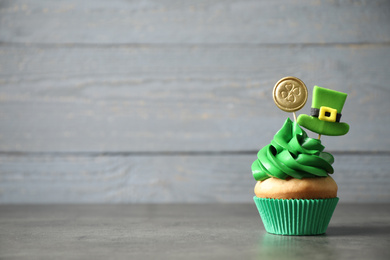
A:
(296, 216)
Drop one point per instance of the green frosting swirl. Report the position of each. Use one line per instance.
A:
(292, 154)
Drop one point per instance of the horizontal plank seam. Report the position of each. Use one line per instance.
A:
(170, 153)
(189, 45)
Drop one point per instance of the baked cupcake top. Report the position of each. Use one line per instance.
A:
(292, 153)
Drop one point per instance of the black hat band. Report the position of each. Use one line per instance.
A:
(315, 112)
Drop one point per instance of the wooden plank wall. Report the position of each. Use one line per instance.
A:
(169, 101)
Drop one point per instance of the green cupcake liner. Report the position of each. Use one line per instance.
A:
(296, 217)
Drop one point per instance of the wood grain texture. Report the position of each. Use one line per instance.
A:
(164, 101)
(181, 98)
(205, 22)
(164, 179)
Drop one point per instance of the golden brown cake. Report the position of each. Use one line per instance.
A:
(290, 188)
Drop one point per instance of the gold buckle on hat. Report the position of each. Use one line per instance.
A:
(327, 114)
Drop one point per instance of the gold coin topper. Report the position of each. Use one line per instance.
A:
(290, 94)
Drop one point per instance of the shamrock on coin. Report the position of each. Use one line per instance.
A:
(290, 92)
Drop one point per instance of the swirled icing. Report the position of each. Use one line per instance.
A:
(292, 153)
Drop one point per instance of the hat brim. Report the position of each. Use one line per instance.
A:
(322, 127)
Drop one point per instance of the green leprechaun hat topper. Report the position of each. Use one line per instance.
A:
(325, 113)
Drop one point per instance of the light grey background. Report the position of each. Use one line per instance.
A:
(169, 101)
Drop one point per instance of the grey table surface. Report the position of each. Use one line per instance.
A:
(183, 231)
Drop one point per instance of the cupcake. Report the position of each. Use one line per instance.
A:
(294, 193)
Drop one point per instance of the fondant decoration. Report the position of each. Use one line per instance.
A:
(325, 114)
(290, 94)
